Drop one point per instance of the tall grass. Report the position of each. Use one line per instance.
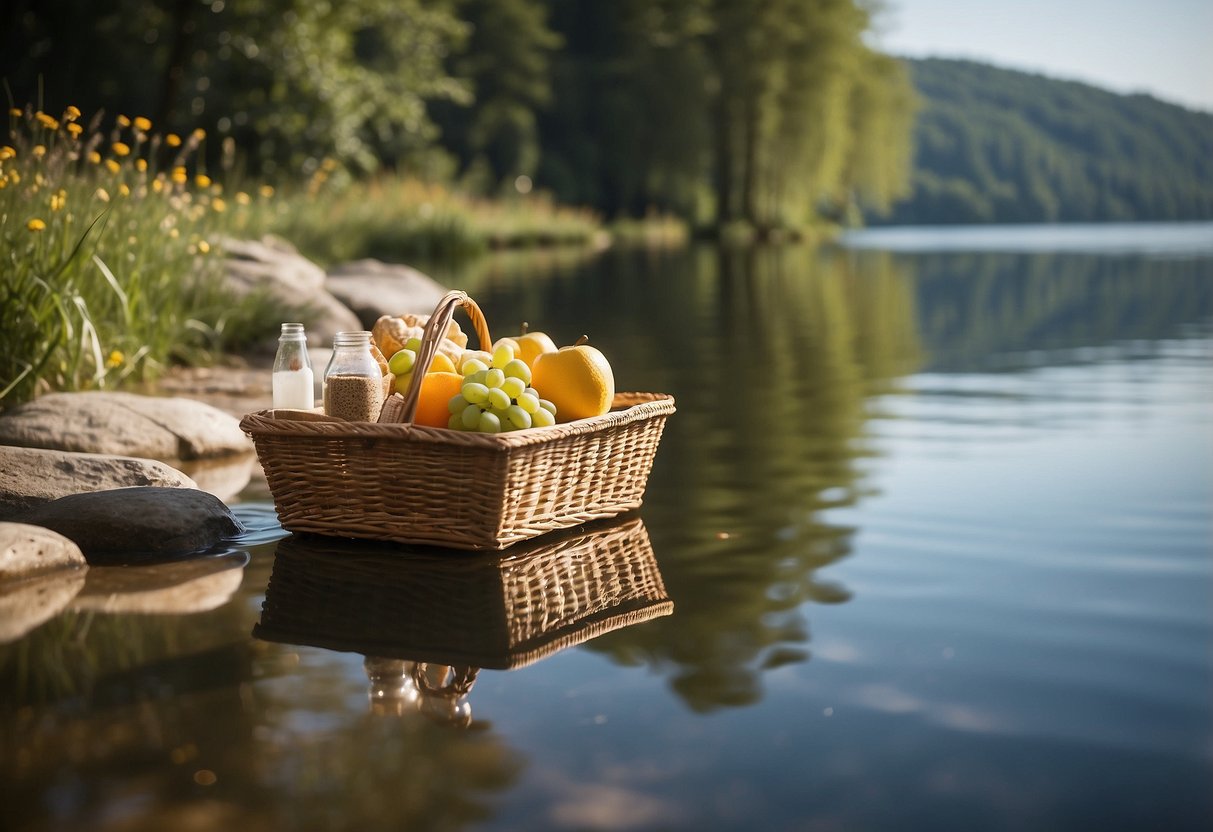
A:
(109, 263)
(400, 218)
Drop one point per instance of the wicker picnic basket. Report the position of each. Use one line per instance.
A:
(498, 610)
(397, 481)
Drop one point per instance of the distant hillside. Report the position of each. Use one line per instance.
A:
(996, 145)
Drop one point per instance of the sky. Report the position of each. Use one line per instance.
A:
(1162, 47)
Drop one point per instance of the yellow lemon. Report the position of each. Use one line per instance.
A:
(441, 364)
(531, 345)
(577, 379)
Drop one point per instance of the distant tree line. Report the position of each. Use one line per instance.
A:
(771, 113)
(995, 145)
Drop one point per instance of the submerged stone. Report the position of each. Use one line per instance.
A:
(138, 525)
(189, 586)
(30, 476)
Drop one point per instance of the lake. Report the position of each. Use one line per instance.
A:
(926, 546)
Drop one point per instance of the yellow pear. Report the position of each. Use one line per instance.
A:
(577, 379)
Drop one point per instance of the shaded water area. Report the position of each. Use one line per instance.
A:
(927, 545)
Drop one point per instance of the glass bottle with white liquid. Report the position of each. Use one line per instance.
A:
(293, 378)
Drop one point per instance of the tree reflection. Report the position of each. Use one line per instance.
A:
(773, 355)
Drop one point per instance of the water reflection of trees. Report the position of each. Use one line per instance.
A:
(772, 354)
(991, 309)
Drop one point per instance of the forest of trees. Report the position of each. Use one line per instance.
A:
(771, 114)
(996, 145)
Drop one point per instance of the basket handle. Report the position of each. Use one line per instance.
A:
(435, 330)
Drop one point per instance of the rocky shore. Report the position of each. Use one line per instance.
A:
(144, 478)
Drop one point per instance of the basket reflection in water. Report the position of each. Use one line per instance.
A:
(427, 620)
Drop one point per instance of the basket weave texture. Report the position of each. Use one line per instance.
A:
(396, 481)
(488, 610)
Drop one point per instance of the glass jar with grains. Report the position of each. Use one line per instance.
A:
(353, 382)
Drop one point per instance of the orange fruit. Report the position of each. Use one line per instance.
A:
(577, 379)
(437, 390)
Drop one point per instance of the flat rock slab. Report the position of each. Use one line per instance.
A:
(372, 288)
(124, 424)
(138, 525)
(28, 550)
(29, 476)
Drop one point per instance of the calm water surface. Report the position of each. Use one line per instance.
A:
(935, 524)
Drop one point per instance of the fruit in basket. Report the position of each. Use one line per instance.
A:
(531, 345)
(402, 361)
(489, 401)
(577, 379)
(392, 332)
(437, 390)
(468, 356)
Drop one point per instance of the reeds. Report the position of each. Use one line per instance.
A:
(108, 256)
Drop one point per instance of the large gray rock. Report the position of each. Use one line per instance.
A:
(27, 550)
(373, 288)
(29, 476)
(138, 525)
(273, 266)
(124, 424)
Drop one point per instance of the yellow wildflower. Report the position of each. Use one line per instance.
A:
(141, 165)
(172, 140)
(157, 184)
(94, 157)
(3, 182)
(115, 359)
(179, 175)
(174, 233)
(15, 112)
(242, 198)
(46, 121)
(7, 152)
(13, 177)
(124, 190)
(58, 200)
(113, 165)
(39, 151)
(75, 129)
(143, 124)
(204, 246)
(121, 149)
(36, 225)
(71, 113)
(123, 121)
(199, 133)
(202, 180)
(266, 191)
(103, 195)
(219, 205)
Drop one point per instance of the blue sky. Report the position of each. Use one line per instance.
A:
(1163, 47)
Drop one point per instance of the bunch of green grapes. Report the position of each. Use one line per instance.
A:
(498, 398)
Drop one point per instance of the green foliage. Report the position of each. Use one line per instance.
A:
(292, 81)
(109, 248)
(995, 145)
(397, 218)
